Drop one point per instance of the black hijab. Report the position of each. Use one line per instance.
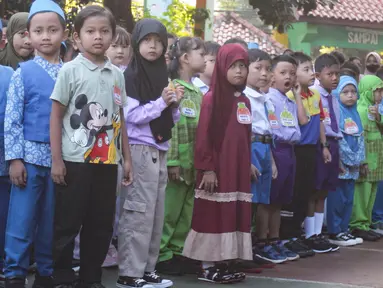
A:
(145, 80)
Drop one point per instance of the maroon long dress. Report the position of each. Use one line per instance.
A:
(222, 220)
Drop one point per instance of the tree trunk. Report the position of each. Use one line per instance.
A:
(121, 10)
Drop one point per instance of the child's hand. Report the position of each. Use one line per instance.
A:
(373, 110)
(168, 96)
(274, 170)
(209, 181)
(128, 174)
(18, 173)
(297, 89)
(254, 173)
(342, 170)
(174, 173)
(326, 155)
(363, 170)
(58, 172)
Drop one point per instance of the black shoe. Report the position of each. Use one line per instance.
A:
(188, 266)
(235, 269)
(43, 281)
(217, 275)
(2, 279)
(169, 267)
(129, 282)
(373, 233)
(299, 248)
(156, 280)
(68, 285)
(15, 283)
(95, 285)
(325, 241)
(316, 244)
(258, 259)
(364, 235)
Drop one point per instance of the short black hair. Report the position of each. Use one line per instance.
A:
(353, 58)
(212, 48)
(256, 55)
(288, 52)
(325, 60)
(94, 11)
(301, 57)
(340, 56)
(350, 69)
(62, 21)
(236, 40)
(171, 36)
(379, 73)
(283, 58)
(4, 22)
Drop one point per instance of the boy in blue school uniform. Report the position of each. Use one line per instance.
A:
(327, 70)
(263, 165)
(284, 117)
(6, 74)
(27, 149)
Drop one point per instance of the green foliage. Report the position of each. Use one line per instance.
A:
(179, 19)
(280, 13)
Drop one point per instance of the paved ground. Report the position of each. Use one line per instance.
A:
(360, 266)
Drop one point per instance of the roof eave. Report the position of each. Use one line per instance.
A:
(340, 22)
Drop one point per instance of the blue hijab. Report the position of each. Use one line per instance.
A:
(347, 112)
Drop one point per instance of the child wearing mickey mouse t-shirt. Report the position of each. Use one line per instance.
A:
(87, 132)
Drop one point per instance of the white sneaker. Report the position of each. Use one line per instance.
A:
(343, 240)
(358, 240)
(156, 280)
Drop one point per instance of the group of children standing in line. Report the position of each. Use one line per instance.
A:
(204, 163)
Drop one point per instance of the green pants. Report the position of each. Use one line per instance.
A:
(179, 202)
(364, 199)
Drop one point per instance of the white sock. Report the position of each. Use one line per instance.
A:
(318, 222)
(309, 227)
(206, 265)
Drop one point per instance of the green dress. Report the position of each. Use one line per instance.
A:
(180, 194)
(366, 187)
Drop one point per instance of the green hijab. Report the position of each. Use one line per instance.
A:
(8, 55)
(367, 85)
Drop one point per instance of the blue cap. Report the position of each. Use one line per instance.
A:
(39, 6)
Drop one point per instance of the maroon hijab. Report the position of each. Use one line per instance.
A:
(223, 92)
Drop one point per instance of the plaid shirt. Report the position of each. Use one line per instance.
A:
(181, 152)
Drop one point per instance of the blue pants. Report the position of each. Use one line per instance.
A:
(30, 220)
(377, 212)
(261, 159)
(339, 206)
(5, 186)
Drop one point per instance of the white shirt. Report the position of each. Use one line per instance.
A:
(260, 123)
(200, 84)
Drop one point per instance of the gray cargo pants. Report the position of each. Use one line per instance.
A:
(142, 212)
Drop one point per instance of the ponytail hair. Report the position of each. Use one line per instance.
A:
(180, 47)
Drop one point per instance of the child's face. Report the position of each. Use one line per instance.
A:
(284, 76)
(259, 74)
(378, 95)
(170, 44)
(196, 59)
(46, 33)
(329, 77)
(151, 47)
(237, 73)
(118, 54)
(349, 95)
(95, 36)
(210, 63)
(305, 74)
(22, 44)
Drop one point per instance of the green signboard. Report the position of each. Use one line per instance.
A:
(306, 36)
